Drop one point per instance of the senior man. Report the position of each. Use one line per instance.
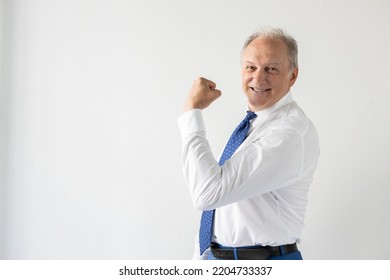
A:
(254, 198)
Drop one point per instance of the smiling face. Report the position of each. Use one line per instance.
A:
(266, 72)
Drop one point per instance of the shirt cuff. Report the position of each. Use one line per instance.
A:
(191, 122)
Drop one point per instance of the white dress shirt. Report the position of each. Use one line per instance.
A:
(260, 193)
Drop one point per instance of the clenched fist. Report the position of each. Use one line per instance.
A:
(202, 94)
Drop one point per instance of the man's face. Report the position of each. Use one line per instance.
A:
(266, 76)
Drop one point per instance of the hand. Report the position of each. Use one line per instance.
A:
(202, 94)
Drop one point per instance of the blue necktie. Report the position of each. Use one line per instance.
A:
(238, 136)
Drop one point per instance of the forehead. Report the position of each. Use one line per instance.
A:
(266, 49)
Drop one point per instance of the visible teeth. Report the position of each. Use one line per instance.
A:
(259, 90)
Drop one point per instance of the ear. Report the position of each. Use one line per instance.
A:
(294, 76)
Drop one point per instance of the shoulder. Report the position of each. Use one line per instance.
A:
(291, 117)
(287, 123)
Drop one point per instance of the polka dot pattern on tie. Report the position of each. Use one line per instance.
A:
(238, 136)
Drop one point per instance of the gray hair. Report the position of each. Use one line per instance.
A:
(277, 33)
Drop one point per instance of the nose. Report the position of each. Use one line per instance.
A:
(260, 75)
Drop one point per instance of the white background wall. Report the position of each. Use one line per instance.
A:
(90, 94)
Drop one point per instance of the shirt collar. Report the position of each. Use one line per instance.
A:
(264, 113)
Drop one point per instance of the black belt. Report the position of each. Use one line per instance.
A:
(255, 253)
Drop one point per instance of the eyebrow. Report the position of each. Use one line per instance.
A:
(271, 63)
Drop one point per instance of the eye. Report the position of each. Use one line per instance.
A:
(271, 69)
(250, 67)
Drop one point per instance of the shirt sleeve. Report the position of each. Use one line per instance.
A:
(271, 161)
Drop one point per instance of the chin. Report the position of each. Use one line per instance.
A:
(257, 105)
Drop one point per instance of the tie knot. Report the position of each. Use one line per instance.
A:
(249, 116)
